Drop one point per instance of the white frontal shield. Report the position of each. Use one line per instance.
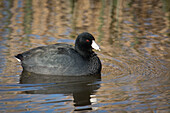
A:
(95, 46)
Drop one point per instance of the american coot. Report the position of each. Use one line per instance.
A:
(63, 59)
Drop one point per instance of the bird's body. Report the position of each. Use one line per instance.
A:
(61, 59)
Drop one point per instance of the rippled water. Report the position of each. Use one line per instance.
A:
(133, 35)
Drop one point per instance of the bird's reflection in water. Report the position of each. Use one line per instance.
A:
(82, 88)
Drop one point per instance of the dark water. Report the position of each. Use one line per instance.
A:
(134, 37)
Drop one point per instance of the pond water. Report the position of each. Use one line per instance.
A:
(134, 38)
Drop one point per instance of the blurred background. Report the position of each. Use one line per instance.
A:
(134, 36)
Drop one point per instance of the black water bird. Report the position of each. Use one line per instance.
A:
(64, 59)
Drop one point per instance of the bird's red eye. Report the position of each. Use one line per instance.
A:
(87, 40)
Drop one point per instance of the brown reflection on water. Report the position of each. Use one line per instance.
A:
(133, 35)
(131, 24)
(40, 17)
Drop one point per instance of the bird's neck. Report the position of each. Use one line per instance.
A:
(86, 53)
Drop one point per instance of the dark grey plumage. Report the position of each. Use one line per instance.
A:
(63, 59)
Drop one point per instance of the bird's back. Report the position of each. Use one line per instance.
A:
(57, 59)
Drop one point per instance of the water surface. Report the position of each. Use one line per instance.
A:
(134, 38)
